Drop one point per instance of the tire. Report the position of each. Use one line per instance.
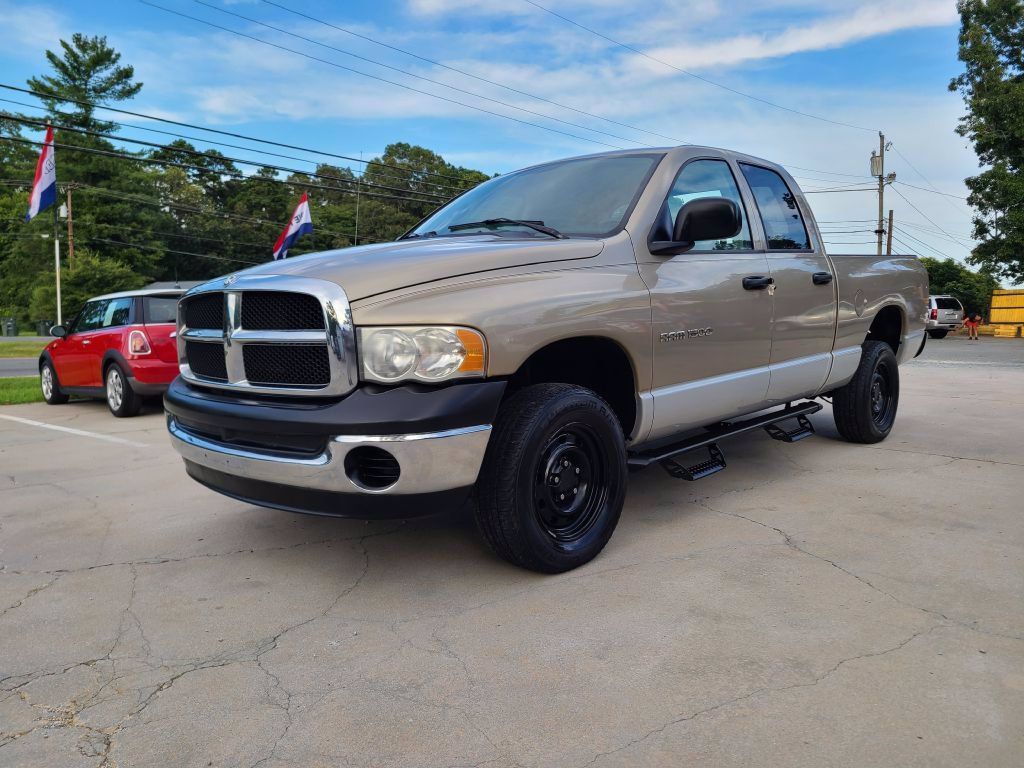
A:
(548, 440)
(938, 334)
(50, 385)
(121, 398)
(865, 408)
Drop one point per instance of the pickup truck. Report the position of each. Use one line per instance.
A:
(533, 341)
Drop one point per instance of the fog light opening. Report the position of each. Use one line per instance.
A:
(372, 469)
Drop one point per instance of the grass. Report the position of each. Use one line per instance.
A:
(20, 389)
(21, 348)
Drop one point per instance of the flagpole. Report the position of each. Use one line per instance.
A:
(56, 257)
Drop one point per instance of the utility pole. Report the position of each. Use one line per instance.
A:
(888, 240)
(71, 230)
(878, 169)
(56, 257)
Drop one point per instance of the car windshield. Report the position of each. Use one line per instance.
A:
(588, 197)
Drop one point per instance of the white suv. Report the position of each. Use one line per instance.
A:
(945, 314)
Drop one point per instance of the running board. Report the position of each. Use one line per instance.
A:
(663, 453)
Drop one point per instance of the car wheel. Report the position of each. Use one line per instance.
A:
(865, 408)
(121, 398)
(50, 386)
(938, 334)
(553, 480)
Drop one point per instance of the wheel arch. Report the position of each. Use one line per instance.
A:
(596, 362)
(889, 325)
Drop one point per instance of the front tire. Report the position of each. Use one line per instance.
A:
(938, 334)
(121, 398)
(865, 408)
(553, 481)
(50, 385)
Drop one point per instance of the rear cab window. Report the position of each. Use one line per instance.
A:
(160, 309)
(783, 223)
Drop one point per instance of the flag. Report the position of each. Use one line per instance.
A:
(44, 186)
(301, 224)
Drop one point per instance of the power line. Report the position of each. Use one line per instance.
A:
(904, 245)
(414, 75)
(403, 86)
(921, 213)
(448, 189)
(924, 178)
(693, 74)
(220, 158)
(192, 126)
(170, 250)
(933, 191)
(473, 76)
(825, 191)
(922, 242)
(170, 163)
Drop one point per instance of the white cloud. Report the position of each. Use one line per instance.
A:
(30, 29)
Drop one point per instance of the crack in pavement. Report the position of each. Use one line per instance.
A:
(758, 691)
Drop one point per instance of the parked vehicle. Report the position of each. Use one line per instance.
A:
(945, 314)
(120, 347)
(533, 340)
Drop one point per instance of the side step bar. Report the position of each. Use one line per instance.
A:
(664, 453)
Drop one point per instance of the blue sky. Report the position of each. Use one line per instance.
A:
(873, 64)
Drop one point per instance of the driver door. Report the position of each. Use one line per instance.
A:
(712, 335)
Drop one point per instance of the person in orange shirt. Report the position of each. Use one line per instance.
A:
(971, 323)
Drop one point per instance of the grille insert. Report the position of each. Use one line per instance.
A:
(293, 365)
(205, 311)
(207, 360)
(281, 311)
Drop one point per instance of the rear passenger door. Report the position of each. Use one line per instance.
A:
(804, 321)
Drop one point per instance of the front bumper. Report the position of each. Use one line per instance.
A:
(293, 455)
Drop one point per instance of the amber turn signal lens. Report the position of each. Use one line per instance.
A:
(474, 361)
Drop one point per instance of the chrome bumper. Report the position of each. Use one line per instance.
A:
(428, 462)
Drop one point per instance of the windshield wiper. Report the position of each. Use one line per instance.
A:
(537, 226)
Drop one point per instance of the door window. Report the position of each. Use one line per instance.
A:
(783, 225)
(708, 178)
(91, 317)
(116, 312)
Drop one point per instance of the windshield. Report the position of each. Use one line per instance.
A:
(589, 197)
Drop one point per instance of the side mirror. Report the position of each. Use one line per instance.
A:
(59, 331)
(706, 218)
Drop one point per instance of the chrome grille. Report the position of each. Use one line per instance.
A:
(268, 334)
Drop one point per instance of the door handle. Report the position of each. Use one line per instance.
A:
(822, 278)
(86, 341)
(757, 282)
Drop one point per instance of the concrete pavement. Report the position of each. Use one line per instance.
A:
(815, 604)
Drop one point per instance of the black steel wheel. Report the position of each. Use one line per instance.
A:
(554, 478)
(865, 408)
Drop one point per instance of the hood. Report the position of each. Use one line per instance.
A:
(367, 270)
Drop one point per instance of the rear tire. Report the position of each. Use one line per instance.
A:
(121, 398)
(553, 481)
(50, 385)
(938, 334)
(865, 408)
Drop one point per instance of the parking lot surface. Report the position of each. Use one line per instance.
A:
(815, 604)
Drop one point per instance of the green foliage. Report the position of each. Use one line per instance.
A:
(973, 289)
(91, 275)
(136, 222)
(87, 69)
(992, 49)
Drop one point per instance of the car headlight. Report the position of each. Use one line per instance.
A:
(421, 353)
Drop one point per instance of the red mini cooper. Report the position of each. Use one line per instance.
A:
(120, 347)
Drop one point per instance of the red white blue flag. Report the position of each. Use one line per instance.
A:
(301, 224)
(44, 187)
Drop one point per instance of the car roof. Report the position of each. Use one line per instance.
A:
(141, 292)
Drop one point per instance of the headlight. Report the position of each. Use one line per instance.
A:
(414, 353)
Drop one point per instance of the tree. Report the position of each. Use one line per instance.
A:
(973, 289)
(88, 70)
(992, 49)
(92, 276)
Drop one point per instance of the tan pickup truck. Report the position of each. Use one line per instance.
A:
(535, 339)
